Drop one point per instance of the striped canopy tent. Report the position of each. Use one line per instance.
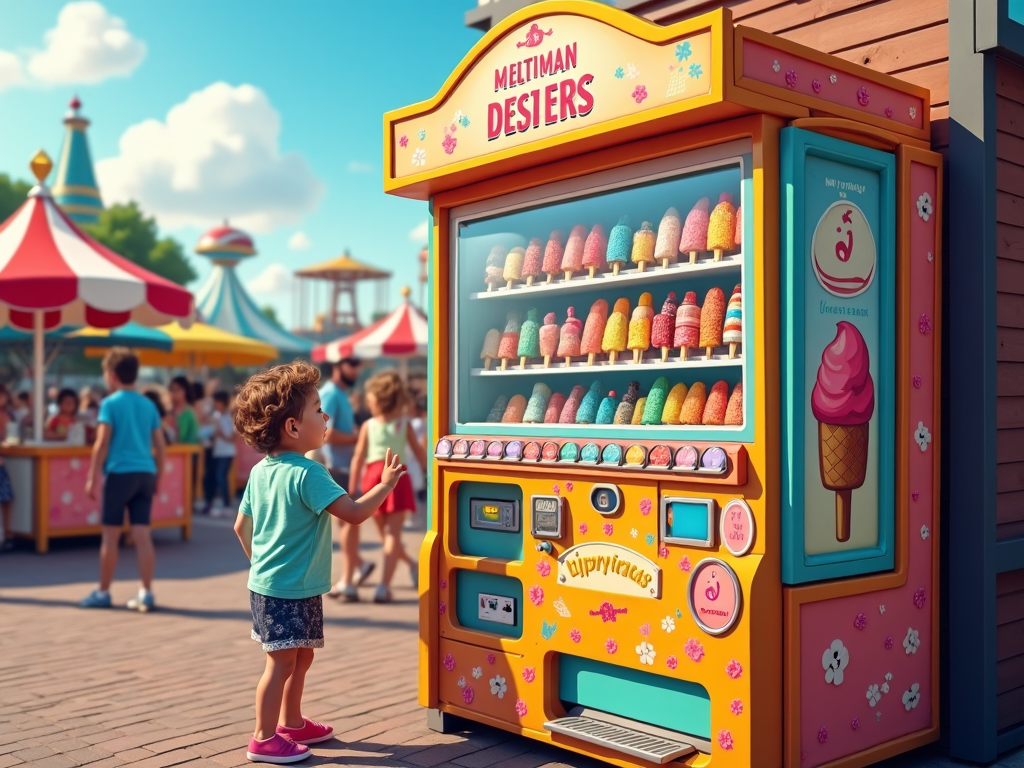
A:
(52, 274)
(199, 346)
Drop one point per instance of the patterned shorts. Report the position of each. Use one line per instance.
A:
(279, 623)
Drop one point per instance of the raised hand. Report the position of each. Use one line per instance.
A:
(393, 469)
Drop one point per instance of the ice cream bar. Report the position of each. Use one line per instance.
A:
(494, 269)
(490, 350)
(687, 335)
(554, 409)
(733, 333)
(738, 235)
(616, 330)
(514, 410)
(529, 338)
(722, 226)
(666, 249)
(639, 338)
(508, 348)
(624, 411)
(532, 260)
(587, 412)
(593, 331)
(714, 408)
(734, 411)
(674, 404)
(538, 404)
(638, 411)
(548, 338)
(693, 406)
(620, 244)
(513, 266)
(643, 246)
(572, 404)
(594, 250)
(572, 258)
(606, 413)
(663, 328)
(712, 314)
(552, 264)
(694, 239)
(655, 402)
(498, 409)
(569, 337)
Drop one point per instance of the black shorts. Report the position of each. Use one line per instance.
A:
(131, 491)
(279, 623)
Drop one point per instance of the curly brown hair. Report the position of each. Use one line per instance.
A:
(388, 390)
(268, 399)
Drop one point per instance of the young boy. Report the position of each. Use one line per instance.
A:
(129, 450)
(287, 538)
(223, 453)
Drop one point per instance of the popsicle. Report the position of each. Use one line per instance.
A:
(624, 411)
(663, 328)
(738, 235)
(643, 246)
(638, 411)
(722, 226)
(594, 250)
(620, 244)
(640, 328)
(513, 267)
(606, 413)
(718, 400)
(687, 335)
(494, 268)
(529, 339)
(569, 337)
(572, 404)
(538, 404)
(655, 402)
(674, 404)
(572, 258)
(509, 346)
(554, 409)
(552, 264)
(734, 411)
(733, 333)
(548, 338)
(490, 350)
(616, 330)
(593, 331)
(711, 316)
(533, 259)
(666, 249)
(693, 406)
(694, 239)
(498, 409)
(514, 410)
(587, 412)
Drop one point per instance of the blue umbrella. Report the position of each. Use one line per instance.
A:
(130, 335)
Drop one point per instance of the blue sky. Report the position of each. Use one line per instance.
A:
(328, 69)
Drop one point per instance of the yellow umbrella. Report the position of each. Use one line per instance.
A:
(199, 346)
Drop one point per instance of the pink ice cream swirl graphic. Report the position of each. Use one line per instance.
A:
(843, 401)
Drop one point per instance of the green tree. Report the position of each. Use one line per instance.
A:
(12, 195)
(271, 314)
(125, 230)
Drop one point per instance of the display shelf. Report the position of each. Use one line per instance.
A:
(624, 363)
(577, 432)
(581, 282)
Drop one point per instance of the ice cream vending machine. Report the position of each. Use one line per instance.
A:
(684, 367)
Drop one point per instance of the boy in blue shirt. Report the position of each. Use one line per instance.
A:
(129, 451)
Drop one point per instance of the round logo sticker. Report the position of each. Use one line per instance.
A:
(737, 527)
(843, 251)
(714, 596)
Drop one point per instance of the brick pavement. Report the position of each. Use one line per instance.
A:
(113, 688)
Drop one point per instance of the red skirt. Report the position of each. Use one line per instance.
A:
(401, 499)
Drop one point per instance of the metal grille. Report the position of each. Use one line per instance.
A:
(626, 740)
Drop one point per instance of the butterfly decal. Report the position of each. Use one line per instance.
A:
(560, 606)
(679, 614)
(548, 630)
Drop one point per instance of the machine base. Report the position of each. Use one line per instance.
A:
(618, 733)
(445, 722)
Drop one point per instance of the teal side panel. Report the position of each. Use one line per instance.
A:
(663, 701)
(480, 542)
(469, 585)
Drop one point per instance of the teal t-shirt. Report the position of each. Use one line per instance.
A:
(132, 419)
(291, 538)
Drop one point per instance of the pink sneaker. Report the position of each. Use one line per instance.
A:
(311, 732)
(277, 749)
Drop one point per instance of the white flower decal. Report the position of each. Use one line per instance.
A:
(888, 676)
(834, 661)
(931, 256)
(776, 66)
(646, 653)
(634, 532)
(498, 686)
(873, 694)
(913, 113)
(631, 71)
(881, 609)
(912, 696)
(922, 436)
(912, 641)
(668, 624)
(924, 206)
(477, 673)
(924, 531)
(461, 682)
(884, 688)
(832, 79)
(458, 117)
(419, 157)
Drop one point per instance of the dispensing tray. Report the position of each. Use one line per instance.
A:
(647, 742)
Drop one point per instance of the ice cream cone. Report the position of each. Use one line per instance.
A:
(843, 461)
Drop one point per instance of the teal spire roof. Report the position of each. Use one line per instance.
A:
(75, 189)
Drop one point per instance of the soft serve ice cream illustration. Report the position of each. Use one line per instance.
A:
(843, 401)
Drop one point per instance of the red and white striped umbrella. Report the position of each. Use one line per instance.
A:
(401, 334)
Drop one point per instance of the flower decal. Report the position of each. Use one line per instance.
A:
(736, 707)
(791, 78)
(888, 677)
(610, 645)
(574, 635)
(874, 695)
(922, 436)
(649, 538)
(583, 528)
(631, 71)
(449, 662)
(544, 568)
(634, 532)
(477, 673)
(924, 532)
(930, 257)
(448, 143)
(918, 381)
(403, 141)
(855, 723)
(683, 52)
(924, 324)
(671, 662)
(734, 669)
(607, 528)
(468, 694)
(461, 682)
(776, 66)
(913, 113)
(881, 609)
(915, 495)
(646, 653)
(620, 73)
(832, 79)
(725, 740)
(490, 658)
(645, 630)
(536, 595)
(860, 621)
(822, 735)
(888, 643)
(645, 507)
(521, 708)
(912, 696)
(663, 552)
(924, 206)
(885, 687)
(498, 686)
(443, 584)
(463, 121)
(912, 641)
(668, 624)
(862, 96)
(694, 650)
(419, 157)
(888, 112)
(684, 564)
(422, 134)
(568, 486)
(639, 94)
(695, 71)
(834, 660)
(441, 608)
(555, 489)
(816, 86)
(529, 674)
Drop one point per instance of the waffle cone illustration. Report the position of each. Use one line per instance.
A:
(843, 401)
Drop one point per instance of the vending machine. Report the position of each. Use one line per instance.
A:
(684, 370)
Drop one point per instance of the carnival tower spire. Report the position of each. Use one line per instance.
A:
(75, 189)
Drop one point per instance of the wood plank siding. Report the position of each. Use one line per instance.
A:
(1009, 649)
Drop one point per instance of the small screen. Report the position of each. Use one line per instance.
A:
(546, 521)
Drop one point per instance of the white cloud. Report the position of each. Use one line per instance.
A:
(356, 166)
(88, 45)
(274, 279)
(299, 242)
(11, 70)
(215, 156)
(420, 233)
